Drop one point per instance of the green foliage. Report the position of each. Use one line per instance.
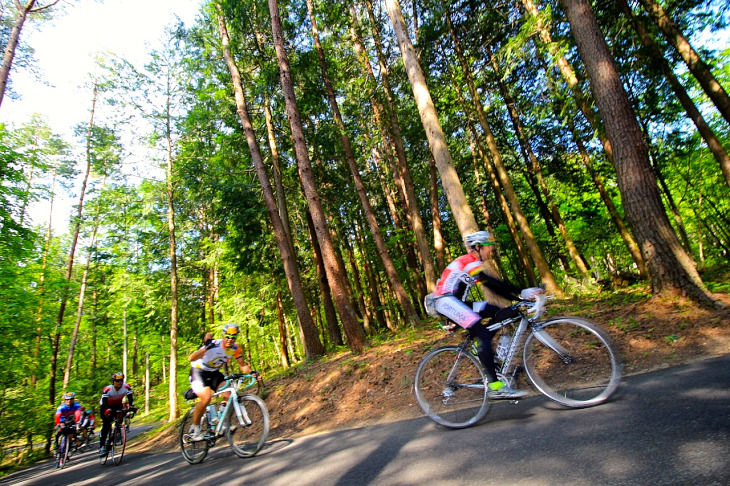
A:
(228, 262)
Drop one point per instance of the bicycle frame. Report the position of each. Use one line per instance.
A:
(508, 369)
(231, 386)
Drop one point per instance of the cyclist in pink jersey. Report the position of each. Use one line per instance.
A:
(450, 301)
(111, 401)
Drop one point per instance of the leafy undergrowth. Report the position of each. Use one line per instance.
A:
(343, 390)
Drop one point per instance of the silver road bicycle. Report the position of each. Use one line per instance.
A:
(568, 359)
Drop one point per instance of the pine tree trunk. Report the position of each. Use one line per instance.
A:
(72, 251)
(330, 314)
(568, 74)
(9, 54)
(438, 239)
(463, 215)
(390, 270)
(546, 274)
(355, 335)
(522, 254)
(670, 268)
(284, 358)
(537, 171)
(312, 345)
(412, 206)
(174, 311)
(80, 309)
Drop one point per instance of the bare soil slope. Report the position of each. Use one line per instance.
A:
(343, 390)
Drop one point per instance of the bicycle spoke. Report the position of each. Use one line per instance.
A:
(193, 451)
(248, 435)
(119, 443)
(450, 388)
(572, 361)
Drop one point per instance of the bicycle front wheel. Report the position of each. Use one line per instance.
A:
(572, 361)
(193, 451)
(62, 452)
(450, 388)
(118, 444)
(103, 457)
(248, 435)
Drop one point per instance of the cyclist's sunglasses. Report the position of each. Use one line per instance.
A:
(488, 243)
(118, 379)
(228, 336)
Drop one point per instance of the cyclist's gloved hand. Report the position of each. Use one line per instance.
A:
(531, 294)
(255, 374)
(107, 413)
(208, 344)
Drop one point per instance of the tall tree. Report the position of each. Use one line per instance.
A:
(402, 172)
(312, 345)
(543, 268)
(77, 222)
(656, 57)
(395, 282)
(671, 269)
(353, 330)
(21, 15)
(699, 69)
(463, 214)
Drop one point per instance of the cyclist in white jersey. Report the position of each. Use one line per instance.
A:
(205, 376)
(111, 401)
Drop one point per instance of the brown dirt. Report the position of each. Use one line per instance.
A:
(343, 390)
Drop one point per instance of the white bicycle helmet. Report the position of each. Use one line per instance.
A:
(478, 238)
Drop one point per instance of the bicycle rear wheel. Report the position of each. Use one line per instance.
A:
(450, 388)
(572, 361)
(247, 438)
(119, 443)
(193, 452)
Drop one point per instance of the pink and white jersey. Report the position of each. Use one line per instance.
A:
(114, 397)
(458, 277)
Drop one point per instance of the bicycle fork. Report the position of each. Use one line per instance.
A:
(241, 413)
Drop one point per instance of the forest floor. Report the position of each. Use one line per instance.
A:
(345, 390)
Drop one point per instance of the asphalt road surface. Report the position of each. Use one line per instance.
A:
(670, 427)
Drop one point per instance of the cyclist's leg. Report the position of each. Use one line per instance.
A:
(203, 383)
(484, 348)
(106, 425)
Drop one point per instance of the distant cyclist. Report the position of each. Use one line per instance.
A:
(110, 403)
(205, 376)
(87, 422)
(68, 414)
(452, 290)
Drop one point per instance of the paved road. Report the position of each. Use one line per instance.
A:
(670, 427)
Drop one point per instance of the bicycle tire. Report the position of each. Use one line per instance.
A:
(450, 387)
(193, 452)
(246, 440)
(62, 452)
(103, 457)
(586, 372)
(119, 443)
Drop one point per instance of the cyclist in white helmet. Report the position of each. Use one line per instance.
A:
(205, 376)
(450, 301)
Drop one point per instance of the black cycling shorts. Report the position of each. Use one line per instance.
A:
(199, 379)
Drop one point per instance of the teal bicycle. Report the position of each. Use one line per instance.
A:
(243, 420)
